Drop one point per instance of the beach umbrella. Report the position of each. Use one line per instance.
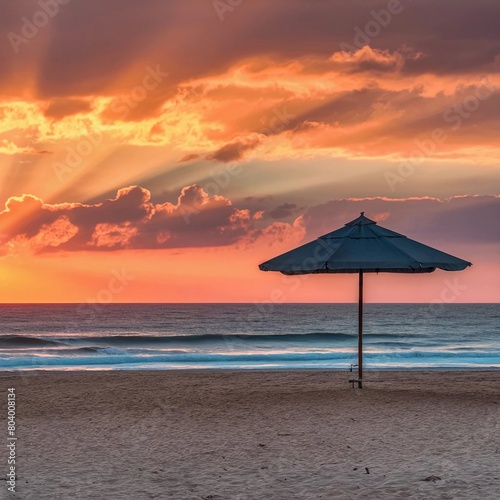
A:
(362, 246)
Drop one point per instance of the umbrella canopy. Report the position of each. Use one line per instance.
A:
(362, 246)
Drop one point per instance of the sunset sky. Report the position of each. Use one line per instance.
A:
(158, 151)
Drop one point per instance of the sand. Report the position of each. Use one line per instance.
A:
(255, 435)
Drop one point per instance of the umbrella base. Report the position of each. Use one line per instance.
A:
(358, 380)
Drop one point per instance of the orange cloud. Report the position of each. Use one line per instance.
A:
(61, 107)
(368, 59)
(113, 235)
(362, 103)
(129, 221)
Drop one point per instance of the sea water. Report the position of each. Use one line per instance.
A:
(247, 336)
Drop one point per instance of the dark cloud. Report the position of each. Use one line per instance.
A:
(58, 108)
(460, 219)
(129, 220)
(463, 116)
(235, 150)
(468, 116)
(89, 43)
(349, 108)
(27, 217)
(283, 211)
(257, 198)
(189, 157)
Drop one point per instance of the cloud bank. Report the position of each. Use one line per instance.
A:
(131, 220)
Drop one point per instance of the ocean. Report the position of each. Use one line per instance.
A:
(247, 336)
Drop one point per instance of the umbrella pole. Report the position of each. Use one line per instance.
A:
(360, 332)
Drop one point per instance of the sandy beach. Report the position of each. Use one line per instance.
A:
(255, 435)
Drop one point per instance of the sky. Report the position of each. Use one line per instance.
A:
(156, 151)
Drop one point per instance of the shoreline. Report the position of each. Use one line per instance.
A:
(233, 434)
(460, 369)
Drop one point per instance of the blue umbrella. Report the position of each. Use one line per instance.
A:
(361, 246)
